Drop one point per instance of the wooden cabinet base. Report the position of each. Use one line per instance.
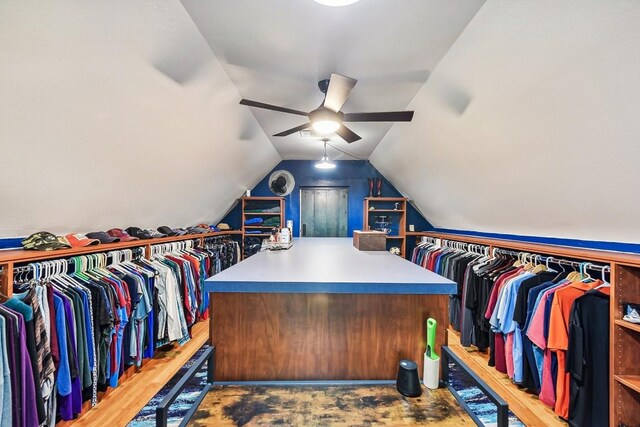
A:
(264, 337)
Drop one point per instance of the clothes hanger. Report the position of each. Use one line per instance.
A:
(540, 267)
(605, 283)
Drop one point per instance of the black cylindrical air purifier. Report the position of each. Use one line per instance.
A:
(408, 381)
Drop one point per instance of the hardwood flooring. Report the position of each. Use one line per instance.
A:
(524, 405)
(118, 406)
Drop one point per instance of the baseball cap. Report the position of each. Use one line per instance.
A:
(121, 234)
(77, 240)
(44, 241)
(139, 233)
(154, 234)
(179, 231)
(204, 226)
(103, 237)
(224, 226)
(197, 230)
(167, 231)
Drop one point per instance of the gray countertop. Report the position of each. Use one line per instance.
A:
(328, 265)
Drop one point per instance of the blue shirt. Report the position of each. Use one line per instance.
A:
(64, 373)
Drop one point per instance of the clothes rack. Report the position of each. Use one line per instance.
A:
(624, 287)
(28, 270)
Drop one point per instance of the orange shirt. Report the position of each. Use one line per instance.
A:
(559, 338)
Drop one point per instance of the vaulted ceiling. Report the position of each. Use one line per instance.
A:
(277, 52)
(118, 113)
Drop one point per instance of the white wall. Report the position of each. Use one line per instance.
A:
(94, 136)
(530, 124)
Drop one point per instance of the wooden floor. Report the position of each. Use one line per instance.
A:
(308, 406)
(120, 405)
(525, 406)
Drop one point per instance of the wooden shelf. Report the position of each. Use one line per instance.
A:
(554, 250)
(628, 325)
(398, 215)
(22, 255)
(631, 381)
(257, 235)
(261, 226)
(415, 233)
(262, 199)
(386, 199)
(262, 213)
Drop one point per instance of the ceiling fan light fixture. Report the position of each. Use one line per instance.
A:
(325, 127)
(336, 3)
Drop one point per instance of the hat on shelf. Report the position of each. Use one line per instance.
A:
(121, 234)
(139, 233)
(77, 240)
(224, 226)
(103, 237)
(167, 231)
(44, 241)
(197, 230)
(179, 231)
(155, 233)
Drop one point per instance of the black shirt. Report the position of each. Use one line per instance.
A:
(588, 360)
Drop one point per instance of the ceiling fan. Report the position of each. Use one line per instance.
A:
(328, 118)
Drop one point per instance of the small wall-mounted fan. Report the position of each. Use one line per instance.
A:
(328, 118)
(281, 183)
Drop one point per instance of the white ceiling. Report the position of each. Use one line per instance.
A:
(276, 52)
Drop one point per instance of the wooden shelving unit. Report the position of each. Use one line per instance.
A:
(385, 206)
(137, 385)
(625, 349)
(624, 343)
(11, 258)
(254, 203)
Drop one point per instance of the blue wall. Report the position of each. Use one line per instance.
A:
(348, 173)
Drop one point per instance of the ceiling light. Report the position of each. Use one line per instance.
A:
(326, 127)
(325, 163)
(336, 2)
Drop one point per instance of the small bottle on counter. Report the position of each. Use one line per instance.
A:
(285, 235)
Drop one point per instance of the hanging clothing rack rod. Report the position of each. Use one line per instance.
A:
(136, 252)
(562, 261)
(540, 258)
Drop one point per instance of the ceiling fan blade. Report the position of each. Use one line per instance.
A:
(271, 107)
(389, 116)
(347, 134)
(293, 130)
(338, 91)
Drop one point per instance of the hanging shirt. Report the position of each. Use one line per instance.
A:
(6, 398)
(559, 338)
(588, 360)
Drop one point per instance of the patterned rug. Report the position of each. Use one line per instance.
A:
(338, 406)
(479, 403)
(474, 397)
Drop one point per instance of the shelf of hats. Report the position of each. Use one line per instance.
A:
(43, 245)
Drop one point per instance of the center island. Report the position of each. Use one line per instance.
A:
(323, 310)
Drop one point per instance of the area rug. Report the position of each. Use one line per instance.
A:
(316, 406)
